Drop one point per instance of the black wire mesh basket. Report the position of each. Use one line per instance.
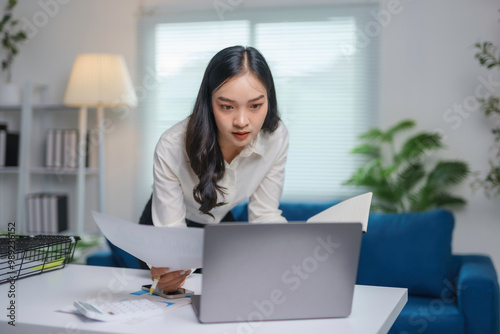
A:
(23, 256)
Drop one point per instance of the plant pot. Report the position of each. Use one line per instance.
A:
(10, 94)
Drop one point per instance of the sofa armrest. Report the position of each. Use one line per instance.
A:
(478, 294)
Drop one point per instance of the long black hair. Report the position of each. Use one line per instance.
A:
(202, 146)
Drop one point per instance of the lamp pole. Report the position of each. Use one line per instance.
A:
(102, 178)
(82, 143)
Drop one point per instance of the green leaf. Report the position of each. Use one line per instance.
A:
(423, 199)
(401, 126)
(384, 207)
(448, 173)
(352, 181)
(493, 176)
(367, 175)
(418, 144)
(11, 4)
(490, 106)
(357, 179)
(487, 55)
(372, 134)
(6, 18)
(5, 42)
(374, 167)
(389, 170)
(445, 199)
(411, 175)
(367, 149)
(387, 194)
(19, 37)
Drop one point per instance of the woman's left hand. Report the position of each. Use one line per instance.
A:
(169, 280)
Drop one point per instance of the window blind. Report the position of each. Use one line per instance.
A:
(326, 83)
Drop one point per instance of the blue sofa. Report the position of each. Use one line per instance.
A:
(447, 293)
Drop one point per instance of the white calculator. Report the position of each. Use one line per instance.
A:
(123, 310)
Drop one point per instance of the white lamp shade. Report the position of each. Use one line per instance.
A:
(100, 80)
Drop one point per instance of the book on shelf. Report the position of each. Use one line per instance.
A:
(70, 149)
(47, 213)
(3, 141)
(49, 149)
(9, 147)
(57, 149)
(12, 149)
(61, 149)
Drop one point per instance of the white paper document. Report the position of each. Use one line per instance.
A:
(352, 210)
(181, 248)
(176, 248)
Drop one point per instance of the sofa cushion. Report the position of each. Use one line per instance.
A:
(292, 211)
(101, 258)
(410, 250)
(429, 316)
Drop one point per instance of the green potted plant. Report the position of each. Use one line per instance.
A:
(406, 179)
(11, 38)
(487, 56)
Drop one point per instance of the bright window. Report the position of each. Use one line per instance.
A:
(325, 76)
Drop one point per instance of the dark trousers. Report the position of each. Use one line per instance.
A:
(147, 219)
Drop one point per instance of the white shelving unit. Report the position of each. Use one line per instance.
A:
(29, 168)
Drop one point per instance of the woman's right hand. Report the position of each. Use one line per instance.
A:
(169, 280)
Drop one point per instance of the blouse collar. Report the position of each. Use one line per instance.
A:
(255, 146)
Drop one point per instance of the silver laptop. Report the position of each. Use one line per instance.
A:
(256, 272)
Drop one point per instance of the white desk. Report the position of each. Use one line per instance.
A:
(374, 308)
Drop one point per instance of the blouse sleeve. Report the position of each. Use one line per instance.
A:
(264, 202)
(168, 207)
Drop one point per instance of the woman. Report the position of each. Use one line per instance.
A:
(231, 148)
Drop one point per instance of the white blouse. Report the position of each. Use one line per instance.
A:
(257, 173)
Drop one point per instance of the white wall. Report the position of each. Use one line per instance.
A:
(427, 67)
(59, 31)
(428, 72)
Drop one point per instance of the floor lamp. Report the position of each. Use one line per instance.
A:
(97, 81)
